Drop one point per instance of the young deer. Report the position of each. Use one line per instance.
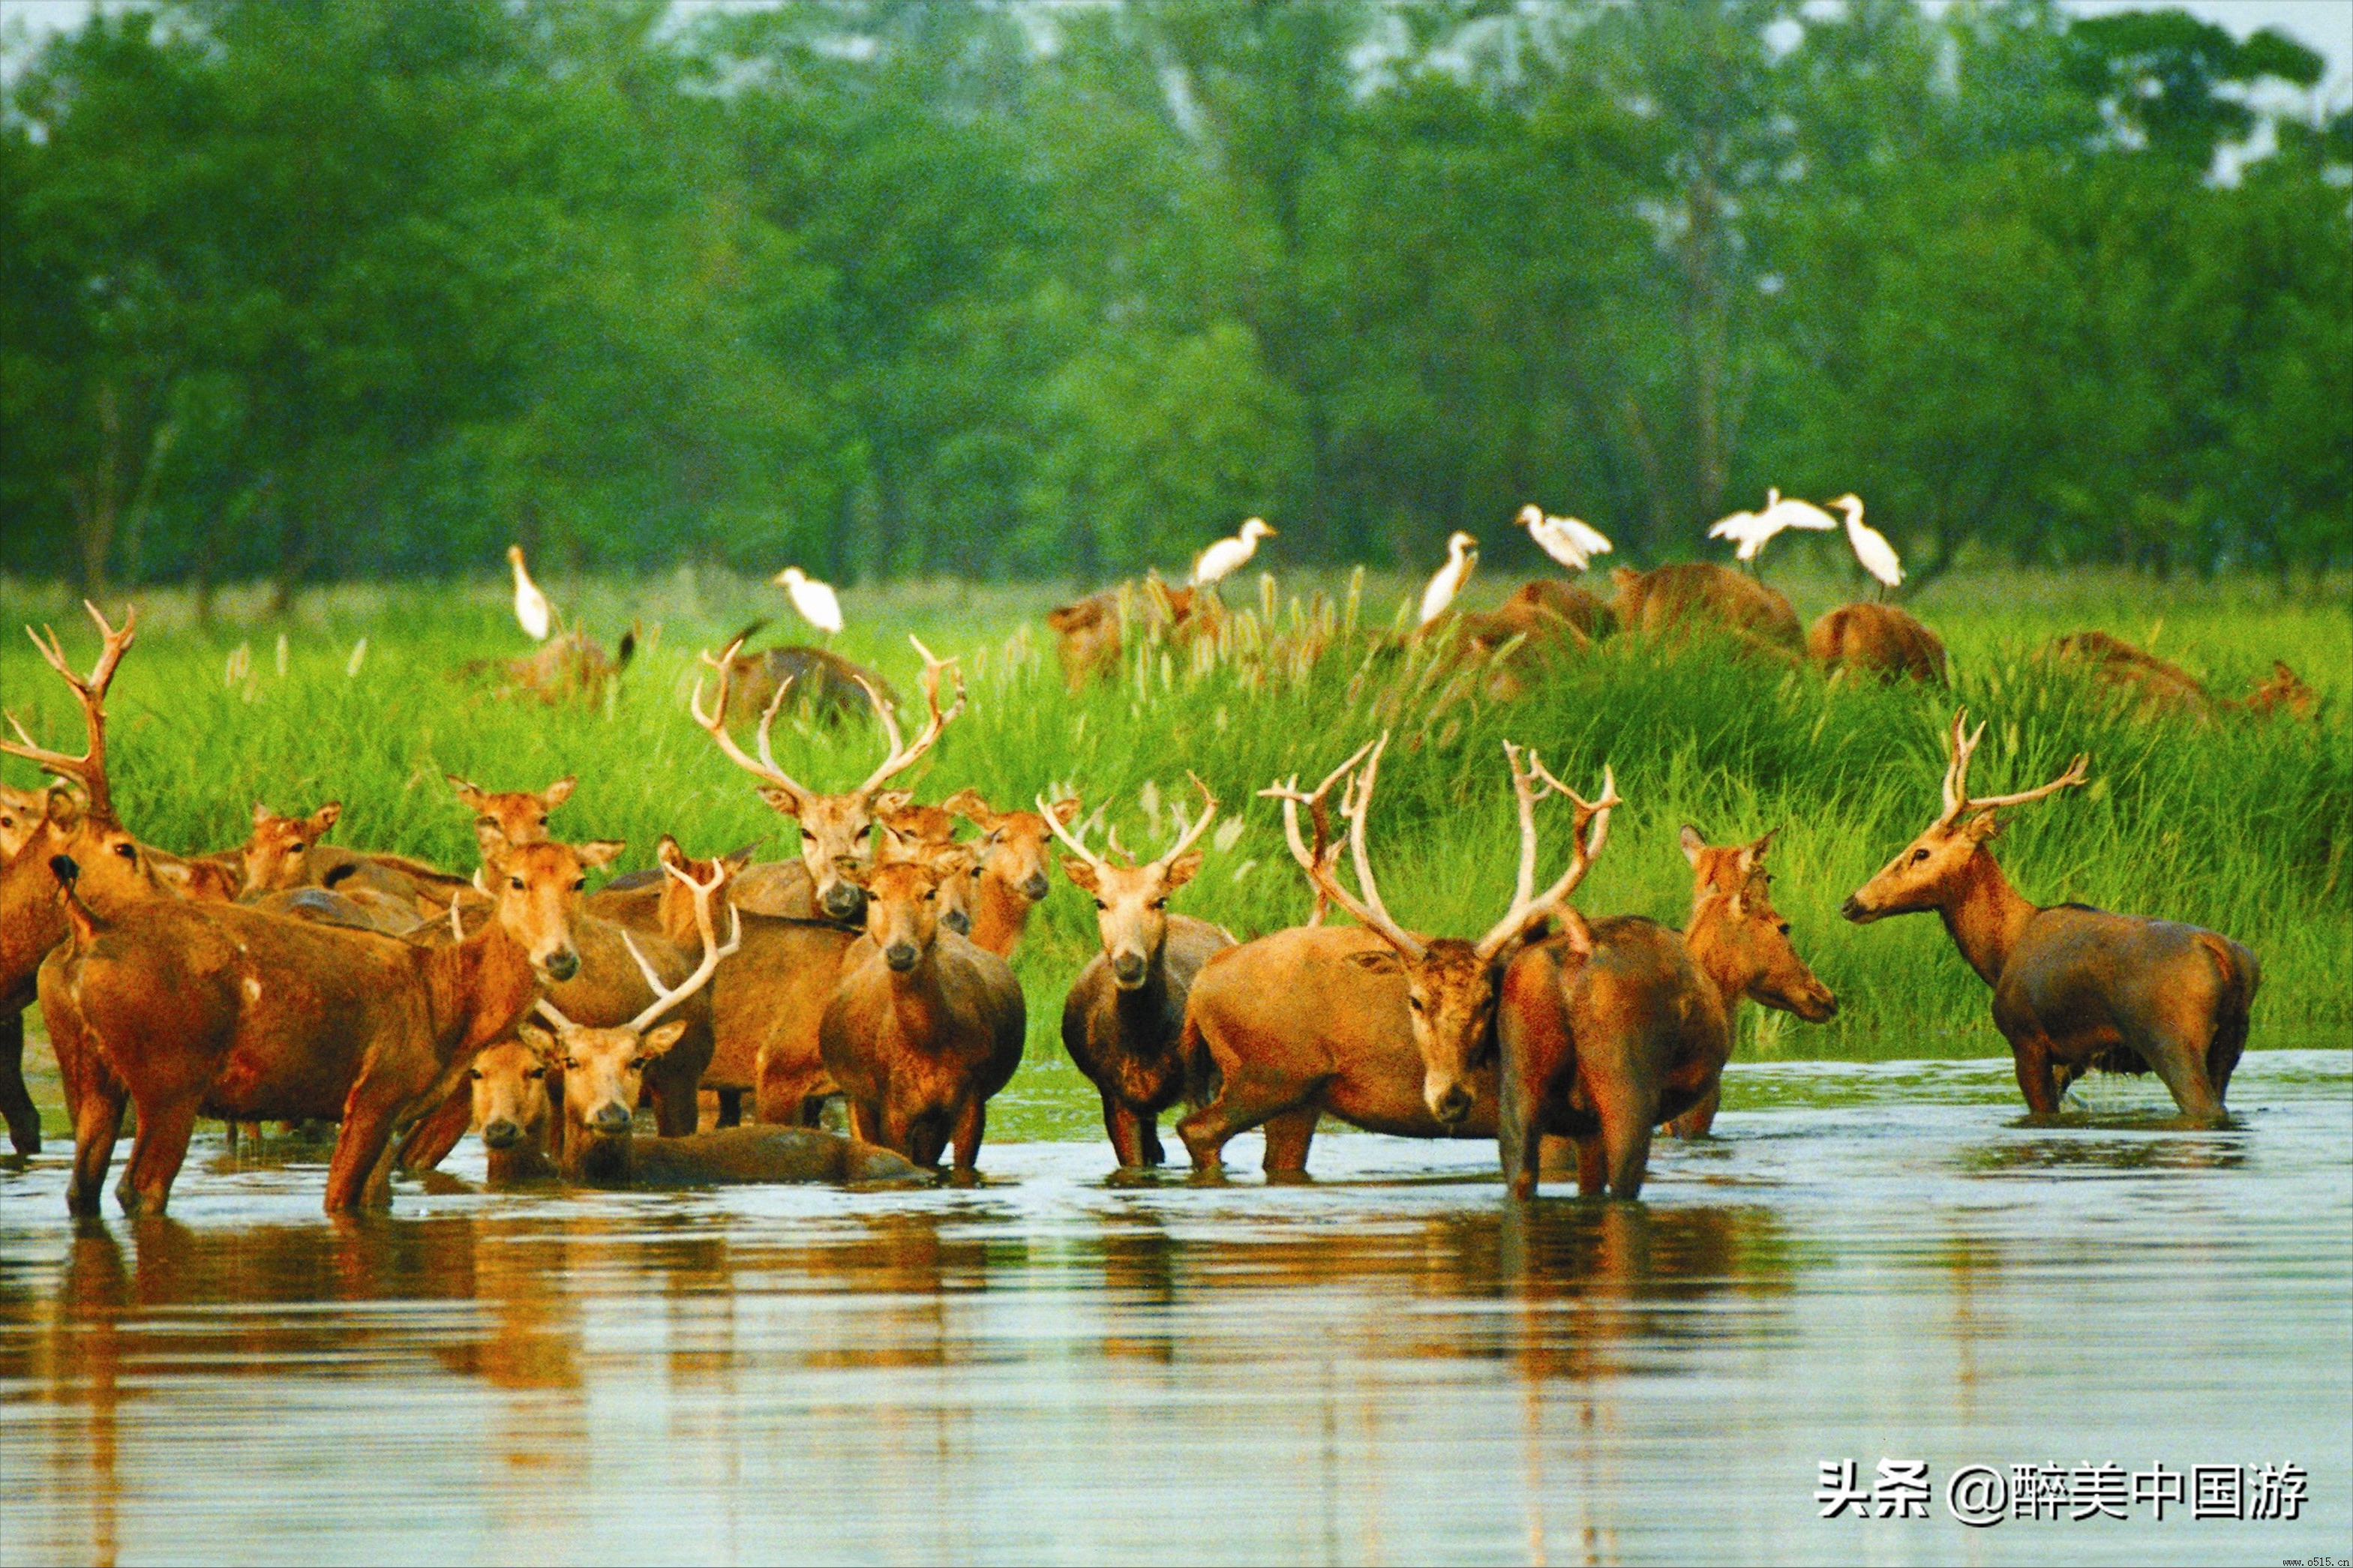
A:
(925, 1026)
(1014, 847)
(1606, 1032)
(2073, 987)
(1123, 1020)
(288, 853)
(224, 1011)
(516, 816)
(514, 1114)
(1381, 1028)
(834, 828)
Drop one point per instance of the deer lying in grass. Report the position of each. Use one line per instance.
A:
(1618, 1024)
(1872, 638)
(1088, 631)
(1691, 593)
(218, 1010)
(1014, 865)
(2159, 686)
(830, 688)
(2073, 987)
(286, 853)
(923, 1028)
(603, 1071)
(834, 828)
(1372, 1023)
(1123, 1020)
(570, 666)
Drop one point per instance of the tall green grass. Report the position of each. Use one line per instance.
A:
(2241, 826)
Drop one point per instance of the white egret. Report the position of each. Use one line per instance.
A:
(813, 599)
(1871, 546)
(1789, 512)
(1461, 557)
(1567, 539)
(1227, 556)
(1741, 528)
(531, 605)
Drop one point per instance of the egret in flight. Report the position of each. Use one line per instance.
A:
(1752, 530)
(1227, 556)
(1567, 539)
(1462, 558)
(532, 608)
(1871, 546)
(813, 599)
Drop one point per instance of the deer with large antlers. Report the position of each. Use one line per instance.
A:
(2073, 987)
(834, 828)
(1376, 1025)
(1123, 1020)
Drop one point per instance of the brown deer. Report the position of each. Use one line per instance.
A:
(1372, 1023)
(2160, 686)
(2073, 987)
(603, 1070)
(514, 1114)
(925, 1026)
(290, 852)
(224, 1011)
(1870, 639)
(1088, 631)
(570, 666)
(1690, 593)
(834, 828)
(516, 816)
(1607, 1031)
(1123, 1020)
(831, 687)
(1014, 865)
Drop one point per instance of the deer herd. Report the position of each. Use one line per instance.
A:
(293, 980)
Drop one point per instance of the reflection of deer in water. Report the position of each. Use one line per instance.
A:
(2073, 987)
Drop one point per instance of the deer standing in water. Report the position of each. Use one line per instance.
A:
(1372, 1023)
(1618, 1024)
(2073, 987)
(1123, 1020)
(834, 828)
(925, 1026)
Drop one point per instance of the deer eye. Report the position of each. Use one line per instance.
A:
(515, 882)
(543, 819)
(528, 1072)
(577, 883)
(297, 848)
(1783, 928)
(1414, 1003)
(128, 851)
(572, 1064)
(1101, 905)
(1918, 856)
(1159, 903)
(638, 1063)
(932, 895)
(474, 1073)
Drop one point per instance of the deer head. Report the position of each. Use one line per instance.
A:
(1015, 846)
(1451, 983)
(1131, 900)
(604, 1068)
(516, 816)
(534, 890)
(277, 855)
(22, 812)
(834, 828)
(1738, 937)
(509, 1085)
(903, 910)
(1933, 868)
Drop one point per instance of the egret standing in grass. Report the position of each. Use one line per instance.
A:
(531, 605)
(1462, 558)
(1567, 539)
(1871, 546)
(813, 600)
(1227, 556)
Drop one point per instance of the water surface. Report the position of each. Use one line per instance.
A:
(1873, 1261)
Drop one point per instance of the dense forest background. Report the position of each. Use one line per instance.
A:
(311, 290)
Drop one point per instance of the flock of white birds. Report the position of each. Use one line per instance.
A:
(1569, 541)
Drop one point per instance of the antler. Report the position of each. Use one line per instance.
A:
(89, 769)
(715, 721)
(1957, 799)
(665, 998)
(1287, 791)
(1322, 866)
(1075, 843)
(902, 756)
(1588, 832)
(1189, 835)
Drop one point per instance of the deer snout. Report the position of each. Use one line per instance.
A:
(1450, 1104)
(563, 964)
(1819, 1006)
(503, 1133)
(1033, 887)
(1128, 970)
(901, 956)
(845, 902)
(1853, 909)
(958, 921)
(612, 1117)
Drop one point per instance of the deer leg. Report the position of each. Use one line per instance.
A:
(157, 1154)
(1243, 1102)
(731, 1107)
(437, 1131)
(98, 1122)
(678, 1109)
(970, 1124)
(15, 1101)
(2182, 1067)
(351, 1171)
(1121, 1125)
(1148, 1138)
(2034, 1079)
(1694, 1122)
(1519, 1138)
(1288, 1134)
(1626, 1140)
(865, 1122)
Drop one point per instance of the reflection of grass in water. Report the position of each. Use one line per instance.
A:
(2077, 1147)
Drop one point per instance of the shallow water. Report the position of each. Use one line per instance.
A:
(1391, 1364)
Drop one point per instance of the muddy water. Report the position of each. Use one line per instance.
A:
(1391, 1365)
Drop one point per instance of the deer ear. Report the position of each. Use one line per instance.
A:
(61, 807)
(1181, 870)
(1693, 844)
(262, 813)
(1753, 855)
(662, 1037)
(1066, 811)
(733, 864)
(668, 852)
(892, 802)
(542, 1044)
(600, 851)
(1082, 875)
(559, 792)
(1984, 825)
(466, 791)
(327, 816)
(1377, 961)
(968, 804)
(782, 799)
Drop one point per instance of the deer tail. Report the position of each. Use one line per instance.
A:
(86, 922)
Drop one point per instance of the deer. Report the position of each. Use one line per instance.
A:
(289, 852)
(1687, 594)
(2075, 988)
(1124, 1019)
(514, 1114)
(923, 1028)
(1621, 1023)
(224, 1011)
(2160, 686)
(1014, 867)
(516, 816)
(1867, 638)
(1371, 1022)
(602, 1072)
(834, 828)
(1088, 631)
(830, 685)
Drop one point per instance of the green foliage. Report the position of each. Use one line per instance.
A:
(368, 288)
